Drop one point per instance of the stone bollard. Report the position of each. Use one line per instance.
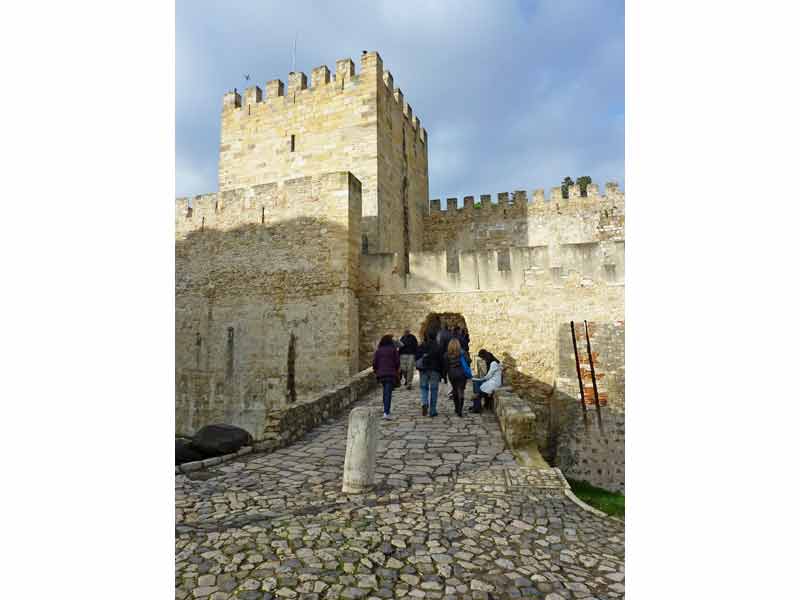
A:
(362, 443)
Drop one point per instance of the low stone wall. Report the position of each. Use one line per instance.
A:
(517, 420)
(518, 424)
(288, 424)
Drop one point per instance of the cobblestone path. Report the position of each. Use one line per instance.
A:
(453, 516)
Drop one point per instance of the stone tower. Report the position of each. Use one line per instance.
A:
(343, 121)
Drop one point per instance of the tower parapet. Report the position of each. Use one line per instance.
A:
(232, 100)
(333, 123)
(252, 95)
(297, 82)
(274, 88)
(320, 76)
(345, 69)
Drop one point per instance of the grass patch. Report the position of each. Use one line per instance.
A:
(611, 503)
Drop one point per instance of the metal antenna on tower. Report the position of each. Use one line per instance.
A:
(294, 51)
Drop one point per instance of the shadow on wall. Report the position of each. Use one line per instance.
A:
(581, 443)
(242, 294)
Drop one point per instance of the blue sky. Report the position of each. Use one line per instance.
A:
(514, 94)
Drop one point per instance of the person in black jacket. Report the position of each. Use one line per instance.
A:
(386, 364)
(456, 373)
(429, 363)
(408, 356)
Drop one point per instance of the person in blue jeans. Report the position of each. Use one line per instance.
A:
(430, 366)
(386, 364)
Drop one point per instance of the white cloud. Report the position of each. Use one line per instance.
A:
(513, 94)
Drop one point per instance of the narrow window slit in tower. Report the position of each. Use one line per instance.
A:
(262, 215)
(229, 356)
(452, 260)
(503, 259)
(291, 145)
(203, 224)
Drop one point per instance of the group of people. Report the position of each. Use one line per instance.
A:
(443, 355)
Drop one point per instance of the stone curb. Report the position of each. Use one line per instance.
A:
(571, 495)
(218, 460)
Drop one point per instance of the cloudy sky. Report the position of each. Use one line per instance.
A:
(515, 94)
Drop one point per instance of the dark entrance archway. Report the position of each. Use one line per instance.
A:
(438, 320)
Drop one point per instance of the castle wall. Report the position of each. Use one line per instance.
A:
(254, 266)
(507, 269)
(582, 448)
(402, 172)
(514, 220)
(519, 325)
(517, 271)
(343, 121)
(513, 295)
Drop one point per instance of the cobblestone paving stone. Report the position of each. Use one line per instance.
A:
(452, 516)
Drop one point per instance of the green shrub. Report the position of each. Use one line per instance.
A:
(611, 503)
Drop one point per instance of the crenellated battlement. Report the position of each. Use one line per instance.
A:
(520, 218)
(518, 203)
(275, 94)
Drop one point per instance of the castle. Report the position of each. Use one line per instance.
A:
(322, 238)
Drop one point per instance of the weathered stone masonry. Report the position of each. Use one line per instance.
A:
(346, 121)
(253, 266)
(322, 229)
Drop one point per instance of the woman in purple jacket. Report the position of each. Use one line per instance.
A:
(386, 365)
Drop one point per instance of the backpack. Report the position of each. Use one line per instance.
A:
(465, 366)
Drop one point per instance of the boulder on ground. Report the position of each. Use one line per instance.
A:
(184, 452)
(216, 440)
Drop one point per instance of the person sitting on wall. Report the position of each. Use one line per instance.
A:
(386, 364)
(485, 386)
(431, 371)
(408, 353)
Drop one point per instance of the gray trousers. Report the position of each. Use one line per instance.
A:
(407, 366)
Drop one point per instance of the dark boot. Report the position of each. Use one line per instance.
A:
(476, 404)
(424, 410)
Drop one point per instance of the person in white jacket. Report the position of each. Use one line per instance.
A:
(488, 383)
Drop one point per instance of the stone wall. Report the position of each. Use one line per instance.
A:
(560, 260)
(288, 424)
(254, 266)
(343, 121)
(519, 326)
(517, 419)
(578, 444)
(515, 221)
(586, 264)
